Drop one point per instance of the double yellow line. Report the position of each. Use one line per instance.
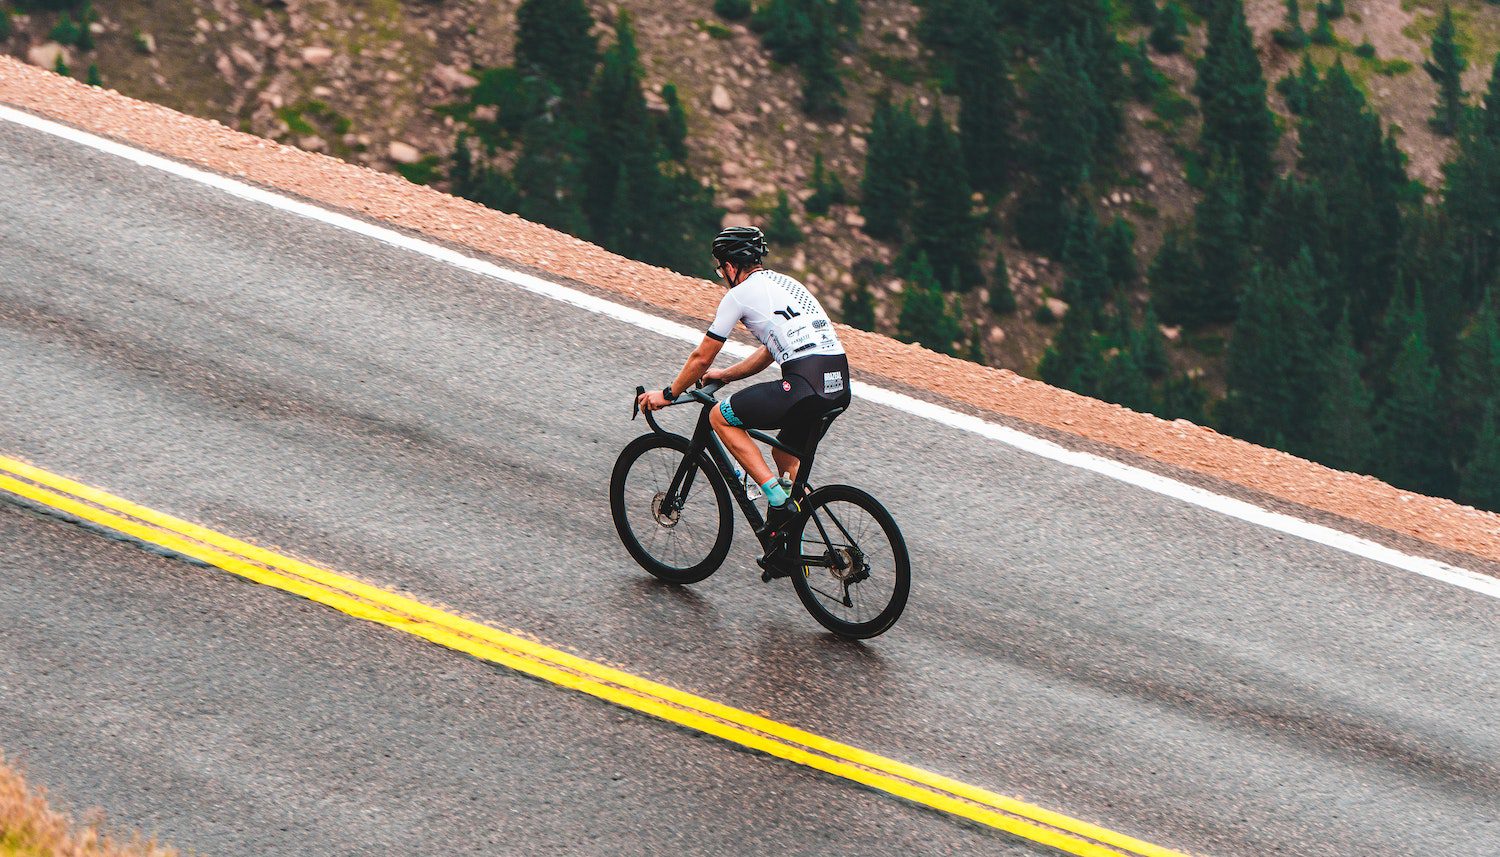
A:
(621, 688)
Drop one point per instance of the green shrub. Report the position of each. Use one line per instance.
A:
(422, 172)
(66, 31)
(1365, 50)
(732, 10)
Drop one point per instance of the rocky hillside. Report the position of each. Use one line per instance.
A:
(360, 80)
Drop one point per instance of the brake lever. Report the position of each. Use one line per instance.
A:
(635, 404)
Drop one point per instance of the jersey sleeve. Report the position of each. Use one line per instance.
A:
(728, 316)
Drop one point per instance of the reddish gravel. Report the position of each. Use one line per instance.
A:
(393, 200)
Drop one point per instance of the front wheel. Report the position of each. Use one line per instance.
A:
(853, 574)
(680, 539)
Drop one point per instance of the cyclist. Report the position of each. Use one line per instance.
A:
(794, 332)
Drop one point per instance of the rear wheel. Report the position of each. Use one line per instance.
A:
(854, 575)
(682, 539)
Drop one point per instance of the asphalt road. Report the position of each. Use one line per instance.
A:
(1153, 667)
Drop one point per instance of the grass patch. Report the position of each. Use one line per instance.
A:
(714, 29)
(1478, 31)
(30, 828)
(900, 69)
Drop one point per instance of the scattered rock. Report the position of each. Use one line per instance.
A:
(734, 220)
(45, 55)
(146, 43)
(719, 99)
(225, 66)
(96, 28)
(312, 144)
(858, 143)
(1116, 198)
(316, 55)
(403, 153)
(245, 60)
(734, 205)
(1057, 306)
(1171, 334)
(486, 113)
(997, 334)
(453, 80)
(730, 169)
(790, 144)
(854, 219)
(1145, 169)
(259, 31)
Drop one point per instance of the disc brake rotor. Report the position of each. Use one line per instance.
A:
(666, 518)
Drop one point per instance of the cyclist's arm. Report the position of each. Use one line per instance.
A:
(760, 359)
(697, 363)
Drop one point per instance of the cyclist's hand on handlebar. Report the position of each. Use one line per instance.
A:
(652, 401)
(713, 376)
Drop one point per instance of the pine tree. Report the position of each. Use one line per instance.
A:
(1231, 89)
(986, 112)
(976, 345)
(859, 308)
(1144, 12)
(621, 146)
(1477, 378)
(781, 230)
(1275, 358)
(1183, 399)
(1409, 423)
(1491, 124)
(1074, 360)
(1446, 69)
(1292, 36)
(6, 27)
(60, 66)
(673, 126)
(925, 316)
(547, 176)
(1322, 33)
(885, 190)
(821, 87)
(1150, 346)
(942, 225)
(827, 189)
(1342, 436)
(94, 78)
(1298, 87)
(1089, 284)
(1170, 27)
(1124, 383)
(1343, 150)
(1061, 129)
(1471, 194)
(1002, 299)
(1175, 279)
(1223, 250)
(1295, 217)
(1480, 486)
(553, 41)
(1119, 250)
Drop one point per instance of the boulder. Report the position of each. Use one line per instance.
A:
(453, 80)
(403, 153)
(734, 205)
(245, 60)
(46, 54)
(1145, 169)
(734, 220)
(854, 219)
(312, 143)
(1058, 306)
(719, 99)
(316, 55)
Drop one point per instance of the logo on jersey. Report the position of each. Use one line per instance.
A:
(788, 313)
(819, 324)
(833, 382)
(786, 386)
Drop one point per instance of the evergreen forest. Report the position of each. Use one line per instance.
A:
(1360, 310)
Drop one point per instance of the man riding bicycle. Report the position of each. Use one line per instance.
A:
(796, 333)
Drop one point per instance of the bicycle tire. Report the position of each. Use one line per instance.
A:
(621, 507)
(809, 581)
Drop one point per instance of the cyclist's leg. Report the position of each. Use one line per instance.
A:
(800, 427)
(759, 406)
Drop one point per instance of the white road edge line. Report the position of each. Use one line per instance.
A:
(1165, 486)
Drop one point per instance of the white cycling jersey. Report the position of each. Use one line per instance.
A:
(781, 313)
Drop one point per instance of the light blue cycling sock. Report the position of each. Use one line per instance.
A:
(775, 494)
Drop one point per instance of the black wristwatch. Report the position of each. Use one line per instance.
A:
(667, 393)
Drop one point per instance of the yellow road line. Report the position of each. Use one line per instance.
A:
(369, 602)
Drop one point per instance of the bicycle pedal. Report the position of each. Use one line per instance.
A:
(770, 570)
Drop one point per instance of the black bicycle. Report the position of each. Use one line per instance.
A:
(670, 499)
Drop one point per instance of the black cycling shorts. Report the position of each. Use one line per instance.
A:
(796, 403)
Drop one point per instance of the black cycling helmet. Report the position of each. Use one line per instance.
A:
(742, 245)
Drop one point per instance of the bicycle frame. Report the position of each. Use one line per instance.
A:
(704, 440)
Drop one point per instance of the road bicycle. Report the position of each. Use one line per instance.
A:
(669, 496)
